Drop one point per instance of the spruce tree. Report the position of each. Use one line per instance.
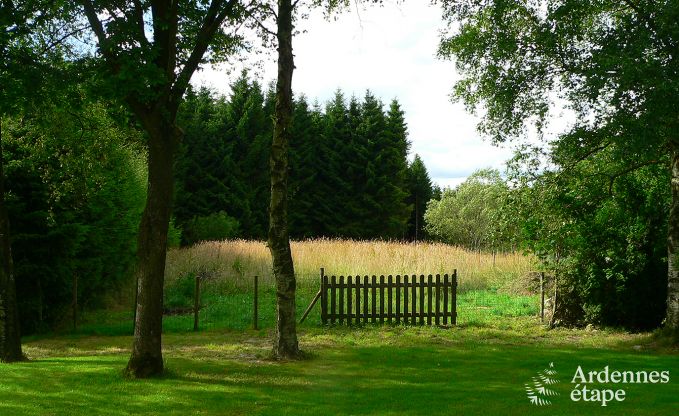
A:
(371, 131)
(304, 167)
(336, 190)
(395, 164)
(355, 158)
(420, 192)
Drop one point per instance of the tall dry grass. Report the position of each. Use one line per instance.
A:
(235, 262)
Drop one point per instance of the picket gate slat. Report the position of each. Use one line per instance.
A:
(405, 299)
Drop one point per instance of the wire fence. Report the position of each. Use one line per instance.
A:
(225, 304)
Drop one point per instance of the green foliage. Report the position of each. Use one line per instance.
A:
(174, 235)
(220, 166)
(587, 211)
(474, 214)
(420, 193)
(76, 191)
(215, 226)
(348, 172)
(604, 235)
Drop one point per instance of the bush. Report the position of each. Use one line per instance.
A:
(473, 214)
(216, 226)
(605, 239)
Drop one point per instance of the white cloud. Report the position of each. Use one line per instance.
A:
(390, 50)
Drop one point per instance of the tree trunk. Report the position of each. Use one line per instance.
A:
(10, 335)
(285, 343)
(672, 320)
(147, 358)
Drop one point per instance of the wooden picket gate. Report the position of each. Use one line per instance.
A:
(407, 300)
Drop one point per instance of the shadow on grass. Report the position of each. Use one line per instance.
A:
(361, 371)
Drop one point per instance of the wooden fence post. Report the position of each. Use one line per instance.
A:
(421, 314)
(438, 299)
(324, 297)
(445, 299)
(390, 285)
(350, 293)
(358, 299)
(341, 300)
(453, 319)
(429, 296)
(542, 297)
(255, 314)
(406, 287)
(333, 299)
(374, 299)
(381, 299)
(196, 302)
(398, 298)
(75, 302)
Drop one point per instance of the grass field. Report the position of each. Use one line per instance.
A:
(234, 263)
(490, 287)
(479, 367)
(471, 369)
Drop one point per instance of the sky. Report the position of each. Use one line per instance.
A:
(390, 50)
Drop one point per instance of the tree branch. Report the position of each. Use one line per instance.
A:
(138, 14)
(98, 29)
(162, 29)
(259, 23)
(213, 20)
(61, 39)
(612, 178)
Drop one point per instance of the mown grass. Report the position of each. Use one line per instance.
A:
(391, 370)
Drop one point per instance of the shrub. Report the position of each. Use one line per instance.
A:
(216, 226)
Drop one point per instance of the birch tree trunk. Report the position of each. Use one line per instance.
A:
(285, 343)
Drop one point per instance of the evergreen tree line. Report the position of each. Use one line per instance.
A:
(348, 176)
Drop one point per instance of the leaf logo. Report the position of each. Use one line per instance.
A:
(537, 391)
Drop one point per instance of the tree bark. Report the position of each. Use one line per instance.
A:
(672, 317)
(147, 358)
(10, 334)
(285, 343)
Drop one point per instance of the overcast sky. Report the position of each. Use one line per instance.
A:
(390, 50)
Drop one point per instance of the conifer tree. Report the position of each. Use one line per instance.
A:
(420, 192)
(303, 182)
(370, 131)
(395, 165)
(355, 158)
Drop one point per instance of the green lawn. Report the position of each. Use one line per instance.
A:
(476, 368)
